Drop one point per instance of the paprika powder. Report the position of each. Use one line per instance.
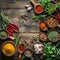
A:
(21, 47)
(38, 8)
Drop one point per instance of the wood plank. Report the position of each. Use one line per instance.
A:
(15, 16)
(13, 5)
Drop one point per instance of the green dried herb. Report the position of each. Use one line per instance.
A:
(36, 18)
(49, 7)
(17, 40)
(51, 51)
(4, 21)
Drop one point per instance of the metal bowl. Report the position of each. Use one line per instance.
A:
(28, 52)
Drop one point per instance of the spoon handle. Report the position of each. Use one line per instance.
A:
(58, 25)
(19, 56)
(32, 1)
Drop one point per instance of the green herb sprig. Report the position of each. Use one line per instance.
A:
(49, 6)
(17, 40)
(4, 21)
(51, 51)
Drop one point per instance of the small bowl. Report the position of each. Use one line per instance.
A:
(43, 37)
(55, 35)
(28, 52)
(52, 23)
(3, 34)
(21, 48)
(36, 7)
(43, 26)
(12, 46)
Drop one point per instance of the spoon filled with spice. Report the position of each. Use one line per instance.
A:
(38, 8)
(21, 50)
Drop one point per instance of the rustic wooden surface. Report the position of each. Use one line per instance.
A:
(14, 10)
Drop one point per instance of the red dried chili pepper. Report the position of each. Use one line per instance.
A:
(9, 31)
(58, 17)
(57, 14)
(14, 27)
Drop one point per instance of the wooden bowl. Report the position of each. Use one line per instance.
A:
(7, 50)
(52, 23)
(38, 8)
(43, 37)
(21, 48)
(53, 35)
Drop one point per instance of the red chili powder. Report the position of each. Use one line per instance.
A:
(39, 8)
(21, 47)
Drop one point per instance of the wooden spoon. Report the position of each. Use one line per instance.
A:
(37, 7)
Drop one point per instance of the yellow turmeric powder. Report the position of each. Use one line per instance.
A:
(8, 49)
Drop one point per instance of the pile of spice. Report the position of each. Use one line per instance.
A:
(42, 25)
(8, 49)
(52, 22)
(43, 37)
(21, 47)
(28, 52)
(53, 36)
(3, 34)
(38, 8)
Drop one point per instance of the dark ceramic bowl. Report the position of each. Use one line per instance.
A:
(28, 52)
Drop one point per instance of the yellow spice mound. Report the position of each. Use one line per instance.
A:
(8, 49)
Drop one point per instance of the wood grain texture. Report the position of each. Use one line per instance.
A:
(14, 10)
